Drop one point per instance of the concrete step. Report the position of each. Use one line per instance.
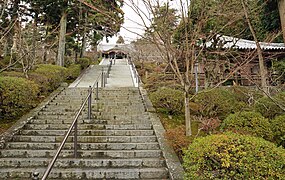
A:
(87, 139)
(89, 126)
(84, 146)
(89, 132)
(82, 163)
(23, 153)
(97, 173)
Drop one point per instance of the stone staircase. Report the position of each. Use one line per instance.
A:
(117, 143)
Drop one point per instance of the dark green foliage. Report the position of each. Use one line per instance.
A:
(169, 100)
(84, 62)
(218, 102)
(16, 96)
(73, 71)
(279, 68)
(268, 108)
(248, 122)
(278, 128)
(269, 17)
(245, 94)
(233, 156)
(53, 75)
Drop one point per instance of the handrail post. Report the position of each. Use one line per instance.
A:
(102, 77)
(89, 102)
(75, 139)
(106, 74)
(97, 90)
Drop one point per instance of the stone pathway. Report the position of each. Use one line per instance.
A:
(122, 140)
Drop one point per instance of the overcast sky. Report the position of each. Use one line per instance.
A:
(133, 24)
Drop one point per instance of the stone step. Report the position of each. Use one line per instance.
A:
(68, 121)
(89, 127)
(90, 132)
(20, 153)
(82, 163)
(87, 139)
(91, 173)
(84, 146)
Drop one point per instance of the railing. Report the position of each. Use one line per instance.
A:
(74, 125)
(135, 72)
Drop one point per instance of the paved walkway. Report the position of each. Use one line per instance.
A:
(120, 75)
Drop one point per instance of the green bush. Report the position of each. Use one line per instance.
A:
(216, 103)
(245, 94)
(168, 100)
(53, 75)
(233, 156)
(268, 108)
(16, 96)
(13, 74)
(278, 128)
(84, 62)
(248, 122)
(73, 71)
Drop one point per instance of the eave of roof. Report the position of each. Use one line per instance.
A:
(228, 42)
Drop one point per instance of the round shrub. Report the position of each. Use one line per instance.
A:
(233, 156)
(246, 94)
(168, 100)
(216, 103)
(84, 62)
(278, 128)
(269, 108)
(73, 71)
(54, 75)
(16, 96)
(248, 122)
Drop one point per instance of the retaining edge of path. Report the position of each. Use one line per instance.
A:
(18, 126)
(176, 171)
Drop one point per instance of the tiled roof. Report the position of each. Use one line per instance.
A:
(107, 47)
(231, 42)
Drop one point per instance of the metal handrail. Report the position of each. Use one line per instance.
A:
(136, 74)
(103, 77)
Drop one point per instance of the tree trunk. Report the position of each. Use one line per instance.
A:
(262, 70)
(83, 48)
(187, 114)
(61, 45)
(34, 39)
(281, 5)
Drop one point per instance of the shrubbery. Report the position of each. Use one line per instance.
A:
(269, 108)
(233, 156)
(278, 128)
(73, 71)
(53, 75)
(168, 100)
(16, 96)
(248, 122)
(84, 62)
(216, 103)
(245, 94)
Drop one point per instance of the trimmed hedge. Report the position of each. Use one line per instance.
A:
(248, 122)
(168, 100)
(278, 128)
(52, 76)
(73, 71)
(84, 62)
(16, 96)
(268, 108)
(233, 156)
(216, 103)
